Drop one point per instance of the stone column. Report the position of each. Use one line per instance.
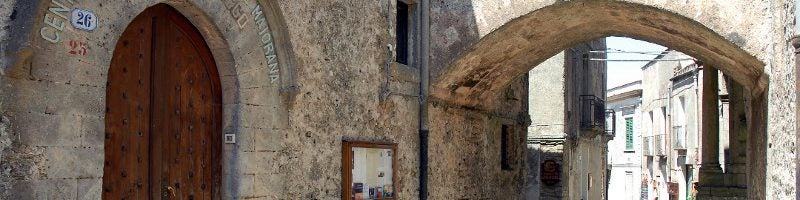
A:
(709, 164)
(736, 167)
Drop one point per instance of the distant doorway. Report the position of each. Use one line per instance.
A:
(163, 112)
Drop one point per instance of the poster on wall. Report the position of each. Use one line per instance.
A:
(368, 171)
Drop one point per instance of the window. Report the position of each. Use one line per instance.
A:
(505, 139)
(679, 129)
(629, 134)
(402, 32)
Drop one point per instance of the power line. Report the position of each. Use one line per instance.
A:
(618, 51)
(640, 60)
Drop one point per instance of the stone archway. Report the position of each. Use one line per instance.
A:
(486, 68)
(510, 51)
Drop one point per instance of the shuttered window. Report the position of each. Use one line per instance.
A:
(629, 134)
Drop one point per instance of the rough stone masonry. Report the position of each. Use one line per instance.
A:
(288, 142)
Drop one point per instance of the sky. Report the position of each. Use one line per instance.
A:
(622, 72)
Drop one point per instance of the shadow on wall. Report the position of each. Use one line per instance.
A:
(453, 30)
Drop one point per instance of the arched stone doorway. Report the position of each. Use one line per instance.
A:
(482, 72)
(163, 112)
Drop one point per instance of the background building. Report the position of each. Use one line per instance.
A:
(567, 109)
(624, 151)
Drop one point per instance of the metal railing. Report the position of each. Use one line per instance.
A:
(659, 146)
(679, 137)
(647, 143)
(611, 125)
(593, 112)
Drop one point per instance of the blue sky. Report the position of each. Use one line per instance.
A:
(625, 72)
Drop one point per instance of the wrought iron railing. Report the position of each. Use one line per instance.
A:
(679, 137)
(647, 143)
(593, 112)
(659, 146)
(611, 123)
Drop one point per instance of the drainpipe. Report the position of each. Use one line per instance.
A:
(796, 44)
(423, 19)
(697, 104)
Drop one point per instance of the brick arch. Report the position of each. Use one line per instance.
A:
(486, 68)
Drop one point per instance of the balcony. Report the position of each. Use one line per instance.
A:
(647, 143)
(593, 113)
(679, 137)
(611, 125)
(659, 145)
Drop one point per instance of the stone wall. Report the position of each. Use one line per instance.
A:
(333, 86)
(751, 39)
(288, 131)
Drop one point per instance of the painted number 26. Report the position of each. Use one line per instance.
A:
(84, 19)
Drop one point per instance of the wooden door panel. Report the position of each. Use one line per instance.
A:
(179, 98)
(127, 114)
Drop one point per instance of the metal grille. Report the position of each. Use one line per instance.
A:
(679, 133)
(646, 145)
(593, 112)
(659, 145)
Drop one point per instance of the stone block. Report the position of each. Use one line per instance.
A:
(404, 88)
(230, 89)
(267, 139)
(92, 132)
(246, 185)
(62, 67)
(257, 116)
(27, 95)
(245, 139)
(231, 117)
(90, 188)
(76, 99)
(258, 77)
(269, 186)
(74, 162)
(46, 189)
(254, 96)
(39, 129)
(259, 162)
(404, 73)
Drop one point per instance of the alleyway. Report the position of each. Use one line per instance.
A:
(396, 99)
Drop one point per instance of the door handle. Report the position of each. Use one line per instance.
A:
(171, 191)
(167, 192)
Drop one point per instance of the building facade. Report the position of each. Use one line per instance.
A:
(566, 138)
(673, 119)
(624, 151)
(252, 99)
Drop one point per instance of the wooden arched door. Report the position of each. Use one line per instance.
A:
(163, 112)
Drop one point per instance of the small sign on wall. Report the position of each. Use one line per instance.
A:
(551, 172)
(83, 19)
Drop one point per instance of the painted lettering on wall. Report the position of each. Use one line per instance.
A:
(83, 19)
(78, 48)
(237, 12)
(54, 20)
(266, 43)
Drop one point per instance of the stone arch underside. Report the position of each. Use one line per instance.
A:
(485, 69)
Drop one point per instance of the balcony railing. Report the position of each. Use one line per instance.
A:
(647, 143)
(593, 112)
(611, 125)
(679, 137)
(659, 147)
